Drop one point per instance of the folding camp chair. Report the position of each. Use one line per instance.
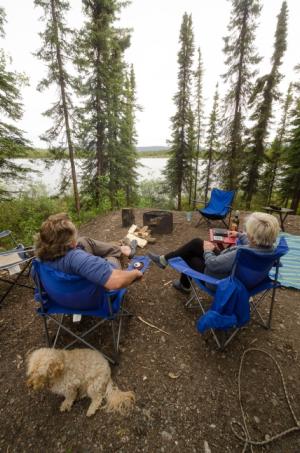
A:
(15, 261)
(60, 294)
(218, 207)
(251, 271)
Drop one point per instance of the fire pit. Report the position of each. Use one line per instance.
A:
(160, 222)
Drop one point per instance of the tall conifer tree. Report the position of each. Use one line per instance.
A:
(101, 85)
(12, 141)
(275, 154)
(55, 50)
(198, 118)
(265, 92)
(241, 61)
(178, 165)
(212, 147)
(290, 184)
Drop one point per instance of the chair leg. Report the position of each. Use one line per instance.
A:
(14, 283)
(81, 339)
(58, 330)
(269, 322)
(226, 224)
(47, 331)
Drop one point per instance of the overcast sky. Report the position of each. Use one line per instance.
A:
(153, 52)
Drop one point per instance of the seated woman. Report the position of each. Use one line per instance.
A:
(261, 233)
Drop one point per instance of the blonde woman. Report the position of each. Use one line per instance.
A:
(261, 233)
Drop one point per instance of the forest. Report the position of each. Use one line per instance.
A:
(94, 117)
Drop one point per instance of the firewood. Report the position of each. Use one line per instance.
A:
(140, 241)
(132, 229)
(151, 240)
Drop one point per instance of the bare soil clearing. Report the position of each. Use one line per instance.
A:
(186, 390)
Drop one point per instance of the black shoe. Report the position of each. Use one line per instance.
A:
(133, 245)
(179, 286)
(156, 260)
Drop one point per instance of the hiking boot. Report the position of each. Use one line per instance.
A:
(179, 286)
(156, 260)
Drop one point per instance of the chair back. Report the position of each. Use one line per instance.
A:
(66, 290)
(220, 201)
(252, 268)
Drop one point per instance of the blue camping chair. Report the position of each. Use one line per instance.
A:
(64, 294)
(14, 262)
(218, 207)
(237, 295)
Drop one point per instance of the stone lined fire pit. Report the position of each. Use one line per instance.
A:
(160, 222)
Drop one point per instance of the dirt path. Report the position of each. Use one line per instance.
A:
(171, 414)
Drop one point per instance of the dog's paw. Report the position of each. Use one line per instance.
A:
(65, 406)
(90, 412)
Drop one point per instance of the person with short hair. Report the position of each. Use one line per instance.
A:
(261, 233)
(58, 246)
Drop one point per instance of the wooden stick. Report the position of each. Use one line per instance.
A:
(152, 325)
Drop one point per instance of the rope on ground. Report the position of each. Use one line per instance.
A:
(152, 325)
(247, 441)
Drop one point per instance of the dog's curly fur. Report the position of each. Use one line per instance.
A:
(75, 374)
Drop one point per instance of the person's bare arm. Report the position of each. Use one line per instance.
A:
(122, 279)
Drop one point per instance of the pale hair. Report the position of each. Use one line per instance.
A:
(262, 229)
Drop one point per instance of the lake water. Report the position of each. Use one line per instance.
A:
(49, 177)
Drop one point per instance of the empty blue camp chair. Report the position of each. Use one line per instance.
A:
(14, 264)
(64, 294)
(218, 207)
(237, 295)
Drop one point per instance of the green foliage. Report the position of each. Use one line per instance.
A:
(241, 61)
(153, 194)
(106, 119)
(55, 50)
(212, 149)
(178, 169)
(12, 141)
(290, 182)
(265, 92)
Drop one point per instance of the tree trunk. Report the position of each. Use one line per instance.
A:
(235, 139)
(65, 108)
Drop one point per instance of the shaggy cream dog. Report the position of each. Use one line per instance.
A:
(75, 374)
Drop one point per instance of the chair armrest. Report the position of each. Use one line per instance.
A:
(5, 233)
(181, 266)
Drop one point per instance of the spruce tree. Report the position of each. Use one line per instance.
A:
(212, 146)
(275, 155)
(55, 51)
(128, 138)
(12, 141)
(191, 149)
(265, 92)
(101, 84)
(198, 119)
(179, 164)
(241, 61)
(290, 184)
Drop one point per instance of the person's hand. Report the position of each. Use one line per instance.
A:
(233, 234)
(138, 274)
(208, 246)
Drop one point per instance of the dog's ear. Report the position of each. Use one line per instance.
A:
(55, 368)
